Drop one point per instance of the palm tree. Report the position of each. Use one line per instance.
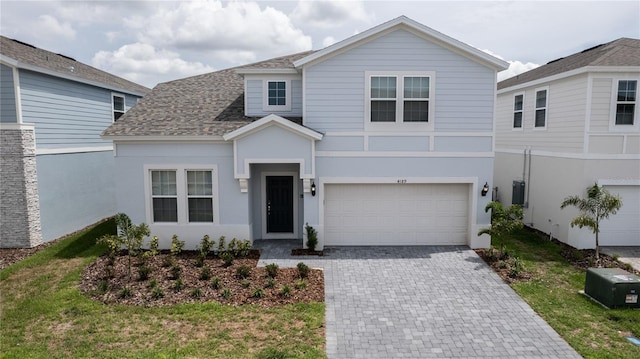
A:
(598, 205)
(503, 221)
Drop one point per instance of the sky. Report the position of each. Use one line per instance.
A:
(149, 42)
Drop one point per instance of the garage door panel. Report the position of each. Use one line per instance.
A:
(391, 214)
(623, 228)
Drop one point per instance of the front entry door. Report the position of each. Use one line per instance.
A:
(279, 190)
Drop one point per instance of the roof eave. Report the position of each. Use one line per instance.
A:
(160, 138)
(256, 71)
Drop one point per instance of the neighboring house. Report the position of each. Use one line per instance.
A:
(385, 138)
(56, 173)
(563, 127)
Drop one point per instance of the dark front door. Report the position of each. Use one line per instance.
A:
(279, 204)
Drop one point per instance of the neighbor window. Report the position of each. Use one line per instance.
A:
(164, 196)
(200, 196)
(626, 102)
(118, 107)
(398, 97)
(518, 103)
(541, 108)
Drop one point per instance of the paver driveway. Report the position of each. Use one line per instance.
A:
(421, 302)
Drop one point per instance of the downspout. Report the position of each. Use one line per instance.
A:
(526, 203)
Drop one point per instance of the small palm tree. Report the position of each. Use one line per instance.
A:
(598, 205)
(503, 221)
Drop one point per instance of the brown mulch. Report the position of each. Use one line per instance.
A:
(9, 256)
(194, 287)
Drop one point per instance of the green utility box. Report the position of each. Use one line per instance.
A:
(613, 287)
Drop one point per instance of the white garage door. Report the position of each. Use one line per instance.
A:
(396, 214)
(623, 228)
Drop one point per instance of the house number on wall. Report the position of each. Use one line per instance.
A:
(402, 181)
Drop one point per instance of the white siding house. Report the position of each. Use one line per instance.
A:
(586, 130)
(383, 138)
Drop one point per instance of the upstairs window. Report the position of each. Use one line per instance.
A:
(277, 95)
(518, 105)
(397, 97)
(626, 102)
(541, 109)
(118, 106)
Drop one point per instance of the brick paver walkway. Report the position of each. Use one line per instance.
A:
(421, 302)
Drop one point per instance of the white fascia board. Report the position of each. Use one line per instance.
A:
(578, 71)
(406, 23)
(163, 138)
(287, 71)
(44, 71)
(272, 119)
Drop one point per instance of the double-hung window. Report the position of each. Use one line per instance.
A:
(117, 103)
(399, 97)
(164, 196)
(200, 196)
(626, 102)
(518, 106)
(541, 108)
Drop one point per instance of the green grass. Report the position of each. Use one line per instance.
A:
(593, 331)
(44, 315)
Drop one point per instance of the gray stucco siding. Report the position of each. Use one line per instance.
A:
(335, 87)
(74, 190)
(66, 113)
(7, 96)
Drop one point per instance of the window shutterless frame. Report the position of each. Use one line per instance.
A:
(518, 111)
(276, 95)
(541, 113)
(626, 97)
(118, 106)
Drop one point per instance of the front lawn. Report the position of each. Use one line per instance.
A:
(44, 315)
(552, 291)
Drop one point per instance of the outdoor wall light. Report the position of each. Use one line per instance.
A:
(484, 192)
(313, 188)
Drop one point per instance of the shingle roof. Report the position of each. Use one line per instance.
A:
(205, 105)
(65, 66)
(621, 52)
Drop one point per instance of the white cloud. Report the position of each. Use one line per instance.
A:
(235, 31)
(516, 68)
(330, 13)
(328, 41)
(50, 26)
(143, 64)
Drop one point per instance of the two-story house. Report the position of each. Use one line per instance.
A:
(56, 173)
(563, 127)
(383, 138)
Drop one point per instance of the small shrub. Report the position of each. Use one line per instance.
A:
(168, 261)
(227, 258)
(143, 272)
(616, 257)
(157, 293)
(200, 261)
(113, 243)
(258, 293)
(516, 267)
(233, 247)
(176, 245)
(226, 293)
(502, 265)
(153, 246)
(205, 245)
(303, 270)
(270, 283)
(125, 292)
(196, 292)
(205, 273)
(152, 283)
(272, 270)
(628, 267)
(178, 285)
(244, 247)
(175, 271)
(243, 272)
(312, 237)
(245, 284)
(103, 286)
(492, 254)
(301, 284)
(285, 291)
(215, 283)
(222, 246)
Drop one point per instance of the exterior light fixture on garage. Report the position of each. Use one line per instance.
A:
(313, 188)
(485, 189)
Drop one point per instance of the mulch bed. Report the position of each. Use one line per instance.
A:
(99, 275)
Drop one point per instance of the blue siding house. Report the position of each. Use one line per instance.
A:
(385, 138)
(56, 172)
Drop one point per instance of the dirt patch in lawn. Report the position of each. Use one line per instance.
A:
(183, 278)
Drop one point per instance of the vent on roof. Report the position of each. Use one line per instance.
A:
(23, 43)
(66, 57)
(591, 48)
(556, 60)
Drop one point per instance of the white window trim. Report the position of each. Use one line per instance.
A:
(265, 95)
(614, 104)
(181, 191)
(513, 102)
(536, 108)
(399, 124)
(188, 196)
(113, 108)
